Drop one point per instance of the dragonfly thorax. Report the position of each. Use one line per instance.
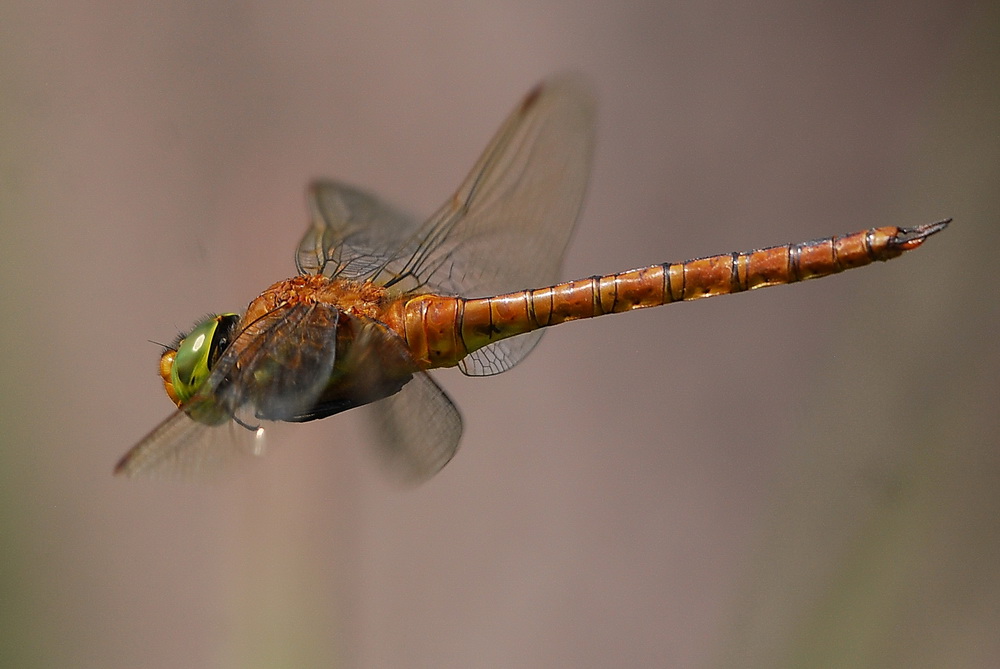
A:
(350, 297)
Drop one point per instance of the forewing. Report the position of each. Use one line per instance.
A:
(281, 367)
(417, 430)
(507, 226)
(505, 229)
(182, 448)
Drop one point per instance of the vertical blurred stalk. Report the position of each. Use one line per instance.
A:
(23, 614)
(292, 570)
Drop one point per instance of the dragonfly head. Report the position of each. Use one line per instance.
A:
(187, 364)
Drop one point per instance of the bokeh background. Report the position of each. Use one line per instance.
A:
(806, 476)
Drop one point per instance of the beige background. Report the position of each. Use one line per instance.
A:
(806, 476)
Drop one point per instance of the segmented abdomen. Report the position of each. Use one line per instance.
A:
(440, 330)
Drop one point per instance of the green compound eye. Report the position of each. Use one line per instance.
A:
(197, 353)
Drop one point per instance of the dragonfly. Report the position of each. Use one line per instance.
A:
(381, 298)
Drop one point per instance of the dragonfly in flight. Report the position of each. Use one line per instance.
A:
(381, 298)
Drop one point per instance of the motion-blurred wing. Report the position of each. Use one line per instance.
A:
(417, 430)
(183, 448)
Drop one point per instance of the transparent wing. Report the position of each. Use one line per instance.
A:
(274, 370)
(417, 430)
(507, 226)
(350, 232)
(279, 365)
(505, 229)
(182, 448)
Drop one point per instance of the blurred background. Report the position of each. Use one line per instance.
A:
(805, 476)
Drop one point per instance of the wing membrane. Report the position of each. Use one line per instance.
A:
(505, 229)
(350, 232)
(283, 368)
(417, 430)
(183, 448)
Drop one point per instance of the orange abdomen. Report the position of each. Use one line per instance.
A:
(440, 330)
